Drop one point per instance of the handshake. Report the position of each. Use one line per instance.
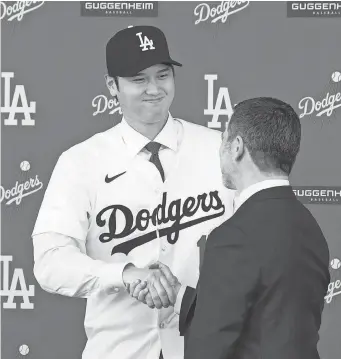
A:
(155, 286)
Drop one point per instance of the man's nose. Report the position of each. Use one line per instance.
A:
(152, 87)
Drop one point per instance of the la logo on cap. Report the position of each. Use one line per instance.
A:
(145, 42)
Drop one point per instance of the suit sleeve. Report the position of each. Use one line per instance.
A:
(186, 302)
(179, 298)
(226, 292)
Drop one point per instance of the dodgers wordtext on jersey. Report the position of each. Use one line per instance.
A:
(174, 212)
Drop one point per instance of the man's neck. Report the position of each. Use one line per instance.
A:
(248, 181)
(149, 130)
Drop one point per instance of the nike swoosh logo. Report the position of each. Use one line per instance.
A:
(108, 180)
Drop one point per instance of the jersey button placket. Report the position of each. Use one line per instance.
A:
(157, 226)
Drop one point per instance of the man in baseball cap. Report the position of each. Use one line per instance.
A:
(141, 76)
(148, 189)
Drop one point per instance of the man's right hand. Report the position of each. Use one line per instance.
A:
(159, 292)
(160, 289)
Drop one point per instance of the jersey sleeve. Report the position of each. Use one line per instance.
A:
(61, 266)
(66, 202)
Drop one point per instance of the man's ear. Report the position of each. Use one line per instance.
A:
(110, 82)
(238, 147)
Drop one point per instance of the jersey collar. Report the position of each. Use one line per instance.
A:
(135, 141)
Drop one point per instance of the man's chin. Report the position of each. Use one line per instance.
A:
(228, 184)
(155, 116)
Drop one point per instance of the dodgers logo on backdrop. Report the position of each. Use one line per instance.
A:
(221, 12)
(101, 104)
(328, 104)
(216, 109)
(11, 103)
(17, 9)
(334, 287)
(21, 189)
(145, 42)
(9, 286)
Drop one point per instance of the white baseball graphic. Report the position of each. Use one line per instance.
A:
(336, 76)
(24, 349)
(25, 165)
(335, 263)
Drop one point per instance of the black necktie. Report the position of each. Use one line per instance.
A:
(153, 148)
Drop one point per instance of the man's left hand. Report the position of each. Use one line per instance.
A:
(146, 293)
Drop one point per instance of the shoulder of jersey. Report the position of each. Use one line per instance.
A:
(92, 147)
(200, 129)
(201, 133)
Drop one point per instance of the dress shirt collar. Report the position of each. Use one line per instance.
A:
(251, 190)
(135, 141)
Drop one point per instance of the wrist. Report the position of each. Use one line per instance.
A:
(127, 273)
(132, 273)
(177, 289)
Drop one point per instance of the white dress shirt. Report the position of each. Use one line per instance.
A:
(88, 230)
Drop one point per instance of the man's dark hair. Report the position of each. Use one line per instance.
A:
(116, 77)
(271, 131)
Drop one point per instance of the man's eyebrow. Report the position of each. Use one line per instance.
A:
(141, 73)
(164, 70)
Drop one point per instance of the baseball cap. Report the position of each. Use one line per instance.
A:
(136, 48)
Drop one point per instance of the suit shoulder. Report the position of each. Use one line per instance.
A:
(228, 233)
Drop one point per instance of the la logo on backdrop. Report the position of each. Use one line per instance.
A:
(11, 103)
(9, 286)
(221, 107)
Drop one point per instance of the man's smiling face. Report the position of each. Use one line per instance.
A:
(147, 96)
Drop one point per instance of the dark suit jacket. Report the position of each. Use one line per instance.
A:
(261, 289)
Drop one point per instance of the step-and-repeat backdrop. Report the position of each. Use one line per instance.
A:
(53, 95)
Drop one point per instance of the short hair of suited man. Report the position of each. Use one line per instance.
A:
(271, 131)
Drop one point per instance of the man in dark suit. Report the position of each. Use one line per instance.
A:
(265, 273)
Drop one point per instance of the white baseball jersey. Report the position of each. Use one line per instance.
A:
(107, 196)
